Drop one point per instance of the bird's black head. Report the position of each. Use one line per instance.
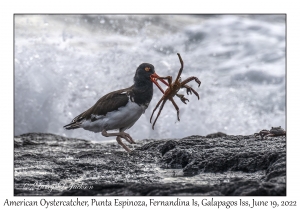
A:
(145, 75)
(143, 72)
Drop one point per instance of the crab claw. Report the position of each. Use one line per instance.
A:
(182, 98)
(189, 91)
(198, 81)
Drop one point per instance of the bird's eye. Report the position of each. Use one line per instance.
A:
(147, 69)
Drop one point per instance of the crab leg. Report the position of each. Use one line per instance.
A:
(161, 107)
(190, 79)
(181, 68)
(190, 90)
(157, 105)
(176, 107)
(169, 78)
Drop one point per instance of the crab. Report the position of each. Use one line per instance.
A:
(275, 131)
(173, 89)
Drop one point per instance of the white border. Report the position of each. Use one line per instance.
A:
(8, 8)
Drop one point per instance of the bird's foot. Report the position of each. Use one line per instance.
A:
(122, 144)
(127, 137)
(123, 135)
(120, 135)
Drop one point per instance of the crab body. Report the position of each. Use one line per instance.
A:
(172, 90)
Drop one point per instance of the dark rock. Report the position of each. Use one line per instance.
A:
(169, 145)
(47, 164)
(215, 135)
(176, 158)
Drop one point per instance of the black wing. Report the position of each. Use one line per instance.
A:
(110, 102)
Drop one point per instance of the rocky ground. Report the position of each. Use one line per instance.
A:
(218, 164)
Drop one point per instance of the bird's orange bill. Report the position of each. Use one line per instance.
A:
(154, 77)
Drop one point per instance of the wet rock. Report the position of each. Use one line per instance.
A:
(169, 145)
(215, 135)
(176, 158)
(47, 164)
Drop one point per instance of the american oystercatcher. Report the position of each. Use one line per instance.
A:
(120, 109)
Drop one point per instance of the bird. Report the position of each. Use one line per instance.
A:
(120, 109)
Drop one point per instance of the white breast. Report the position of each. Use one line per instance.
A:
(124, 117)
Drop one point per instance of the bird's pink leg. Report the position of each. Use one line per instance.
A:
(120, 135)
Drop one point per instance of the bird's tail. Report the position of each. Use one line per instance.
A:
(72, 125)
(76, 122)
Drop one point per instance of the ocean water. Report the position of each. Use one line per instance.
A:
(64, 63)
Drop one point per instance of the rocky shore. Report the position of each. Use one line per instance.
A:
(214, 165)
